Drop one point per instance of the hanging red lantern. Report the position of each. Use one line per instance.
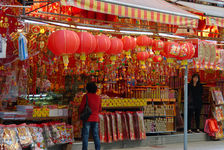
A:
(142, 41)
(142, 56)
(115, 48)
(172, 49)
(129, 43)
(102, 46)
(186, 50)
(157, 58)
(63, 43)
(157, 46)
(192, 51)
(87, 44)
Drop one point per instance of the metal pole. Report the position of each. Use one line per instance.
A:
(185, 106)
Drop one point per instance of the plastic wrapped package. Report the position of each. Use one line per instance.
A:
(24, 135)
(47, 135)
(131, 125)
(59, 134)
(113, 126)
(124, 126)
(69, 134)
(108, 128)
(118, 122)
(102, 128)
(1, 136)
(10, 138)
(37, 134)
(139, 125)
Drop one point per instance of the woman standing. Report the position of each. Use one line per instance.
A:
(195, 91)
(94, 103)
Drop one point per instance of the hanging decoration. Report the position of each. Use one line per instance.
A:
(157, 46)
(64, 43)
(157, 58)
(115, 49)
(143, 41)
(102, 46)
(22, 44)
(129, 44)
(172, 50)
(142, 57)
(87, 44)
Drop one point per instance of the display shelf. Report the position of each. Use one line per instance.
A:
(146, 117)
(160, 132)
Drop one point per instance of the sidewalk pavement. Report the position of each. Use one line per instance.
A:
(204, 145)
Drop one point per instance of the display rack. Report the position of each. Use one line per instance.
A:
(217, 110)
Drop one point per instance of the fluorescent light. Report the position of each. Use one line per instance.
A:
(93, 28)
(59, 24)
(33, 22)
(170, 35)
(136, 32)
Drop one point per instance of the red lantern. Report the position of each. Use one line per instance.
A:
(142, 55)
(157, 58)
(185, 51)
(192, 51)
(87, 43)
(116, 46)
(172, 49)
(201, 24)
(142, 41)
(64, 42)
(103, 45)
(157, 46)
(129, 44)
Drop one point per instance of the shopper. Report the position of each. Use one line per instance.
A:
(94, 103)
(195, 90)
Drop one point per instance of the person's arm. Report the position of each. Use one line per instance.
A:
(100, 109)
(83, 103)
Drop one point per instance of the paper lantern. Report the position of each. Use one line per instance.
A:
(172, 49)
(63, 43)
(129, 43)
(142, 41)
(115, 48)
(187, 51)
(142, 56)
(157, 58)
(157, 46)
(87, 44)
(103, 44)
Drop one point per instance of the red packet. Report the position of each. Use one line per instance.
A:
(108, 128)
(130, 120)
(118, 122)
(113, 126)
(102, 128)
(140, 125)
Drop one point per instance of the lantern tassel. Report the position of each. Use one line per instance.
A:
(65, 61)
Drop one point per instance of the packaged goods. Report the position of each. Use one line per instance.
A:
(124, 126)
(119, 125)
(10, 138)
(37, 134)
(130, 125)
(69, 134)
(102, 128)
(60, 136)
(47, 135)
(113, 126)
(24, 135)
(108, 128)
(139, 125)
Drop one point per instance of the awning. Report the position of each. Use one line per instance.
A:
(214, 15)
(152, 10)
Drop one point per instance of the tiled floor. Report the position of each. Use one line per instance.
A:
(205, 145)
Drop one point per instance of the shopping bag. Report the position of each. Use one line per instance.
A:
(213, 126)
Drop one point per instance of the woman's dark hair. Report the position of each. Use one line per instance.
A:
(91, 87)
(196, 75)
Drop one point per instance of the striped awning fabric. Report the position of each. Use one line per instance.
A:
(138, 10)
(215, 21)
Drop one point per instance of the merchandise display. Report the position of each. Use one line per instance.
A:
(38, 136)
